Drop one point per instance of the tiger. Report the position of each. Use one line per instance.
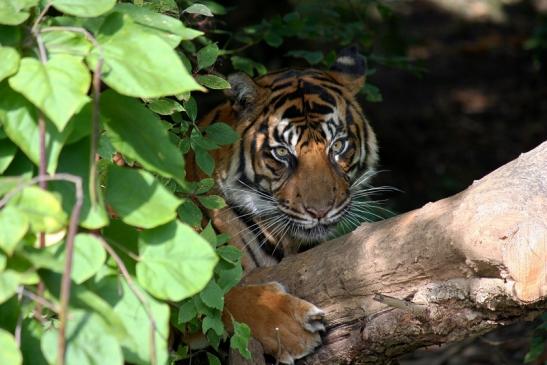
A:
(304, 145)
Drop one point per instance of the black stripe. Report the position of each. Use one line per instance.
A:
(250, 252)
(274, 252)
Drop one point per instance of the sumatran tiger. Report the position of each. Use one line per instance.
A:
(305, 147)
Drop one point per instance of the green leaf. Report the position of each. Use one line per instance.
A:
(212, 359)
(83, 298)
(13, 12)
(247, 65)
(84, 8)
(139, 198)
(137, 133)
(175, 261)
(138, 63)
(161, 6)
(10, 353)
(136, 346)
(191, 108)
(212, 201)
(313, 58)
(204, 160)
(187, 312)
(190, 214)
(58, 88)
(209, 234)
(10, 35)
(198, 9)
(10, 61)
(42, 209)
(62, 41)
(213, 322)
(13, 226)
(213, 296)
(88, 341)
(221, 133)
(165, 106)
(9, 280)
(372, 93)
(170, 29)
(228, 275)
(204, 185)
(273, 39)
(89, 256)
(31, 333)
(75, 160)
(123, 239)
(20, 121)
(229, 253)
(240, 339)
(537, 347)
(213, 82)
(3, 261)
(207, 56)
(7, 154)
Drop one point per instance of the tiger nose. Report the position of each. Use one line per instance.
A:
(317, 213)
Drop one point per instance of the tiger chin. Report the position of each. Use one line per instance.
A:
(305, 149)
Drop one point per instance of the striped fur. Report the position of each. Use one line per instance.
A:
(305, 152)
(279, 204)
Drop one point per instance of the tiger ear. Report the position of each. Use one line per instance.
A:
(349, 69)
(243, 91)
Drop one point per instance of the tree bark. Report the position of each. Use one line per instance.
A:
(455, 268)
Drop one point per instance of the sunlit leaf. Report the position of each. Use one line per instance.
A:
(20, 121)
(10, 353)
(133, 58)
(84, 8)
(176, 262)
(42, 209)
(136, 346)
(10, 61)
(13, 226)
(198, 9)
(88, 341)
(170, 29)
(13, 12)
(58, 87)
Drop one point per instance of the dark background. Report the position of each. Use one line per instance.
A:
(480, 102)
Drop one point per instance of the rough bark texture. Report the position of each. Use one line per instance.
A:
(452, 269)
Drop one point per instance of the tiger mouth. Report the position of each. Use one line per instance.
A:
(316, 233)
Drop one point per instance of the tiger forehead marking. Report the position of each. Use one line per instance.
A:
(305, 149)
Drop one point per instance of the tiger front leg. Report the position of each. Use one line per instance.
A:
(286, 326)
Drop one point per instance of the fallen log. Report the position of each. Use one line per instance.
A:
(455, 268)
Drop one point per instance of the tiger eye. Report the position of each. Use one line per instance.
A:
(281, 152)
(338, 146)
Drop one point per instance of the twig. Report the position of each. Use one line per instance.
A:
(38, 299)
(419, 310)
(19, 325)
(42, 169)
(138, 294)
(65, 281)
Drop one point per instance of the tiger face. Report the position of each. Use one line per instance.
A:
(305, 148)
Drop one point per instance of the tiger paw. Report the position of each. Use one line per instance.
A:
(286, 326)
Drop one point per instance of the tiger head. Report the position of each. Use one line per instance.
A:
(305, 148)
